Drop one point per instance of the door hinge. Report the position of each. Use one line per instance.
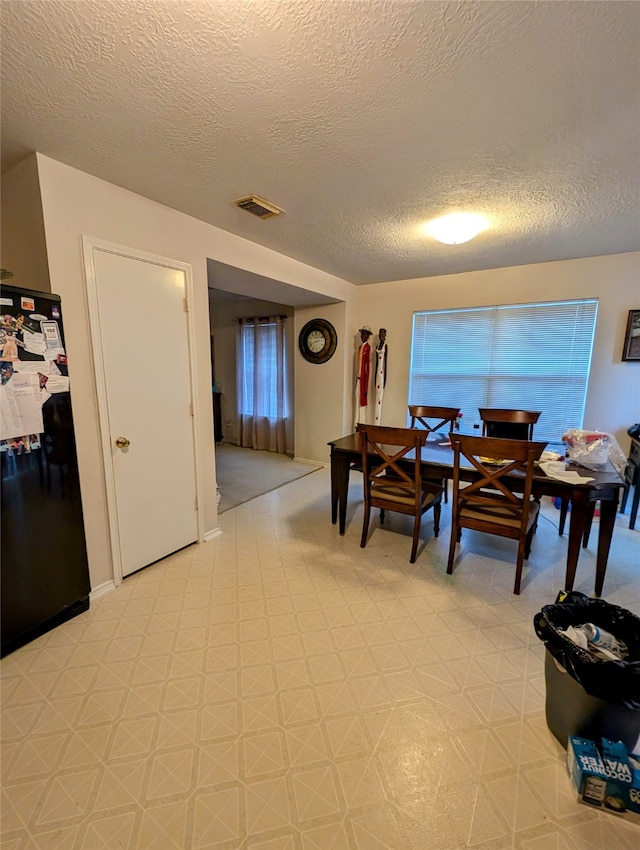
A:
(195, 503)
(186, 305)
(191, 410)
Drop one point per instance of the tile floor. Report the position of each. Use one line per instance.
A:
(281, 689)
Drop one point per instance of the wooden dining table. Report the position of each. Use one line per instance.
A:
(437, 462)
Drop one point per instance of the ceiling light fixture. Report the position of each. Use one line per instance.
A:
(455, 228)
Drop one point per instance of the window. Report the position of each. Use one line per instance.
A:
(524, 356)
(262, 369)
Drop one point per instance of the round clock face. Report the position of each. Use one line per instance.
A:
(318, 341)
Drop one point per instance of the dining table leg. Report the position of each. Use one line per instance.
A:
(577, 524)
(334, 486)
(608, 508)
(340, 465)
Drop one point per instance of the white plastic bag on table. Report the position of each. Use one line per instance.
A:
(593, 449)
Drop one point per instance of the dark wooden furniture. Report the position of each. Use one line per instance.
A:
(433, 418)
(217, 417)
(508, 423)
(632, 479)
(437, 462)
(495, 503)
(518, 425)
(426, 414)
(390, 484)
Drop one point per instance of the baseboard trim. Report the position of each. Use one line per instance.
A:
(310, 462)
(102, 589)
(211, 535)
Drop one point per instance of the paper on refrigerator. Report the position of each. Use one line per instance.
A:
(21, 402)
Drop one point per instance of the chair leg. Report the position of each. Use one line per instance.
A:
(365, 526)
(535, 523)
(625, 496)
(437, 509)
(416, 539)
(588, 524)
(528, 541)
(516, 586)
(564, 507)
(455, 536)
(445, 487)
(381, 516)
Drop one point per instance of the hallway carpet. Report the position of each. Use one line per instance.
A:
(243, 474)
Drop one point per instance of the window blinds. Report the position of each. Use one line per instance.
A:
(523, 356)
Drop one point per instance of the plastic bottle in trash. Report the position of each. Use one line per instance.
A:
(602, 639)
(577, 634)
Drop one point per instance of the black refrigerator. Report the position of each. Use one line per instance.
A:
(44, 571)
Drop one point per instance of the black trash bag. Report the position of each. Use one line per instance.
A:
(614, 681)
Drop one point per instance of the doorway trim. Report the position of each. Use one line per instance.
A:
(89, 245)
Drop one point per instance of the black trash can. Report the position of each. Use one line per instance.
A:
(586, 695)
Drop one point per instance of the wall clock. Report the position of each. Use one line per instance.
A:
(318, 340)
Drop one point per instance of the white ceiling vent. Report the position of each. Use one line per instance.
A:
(258, 206)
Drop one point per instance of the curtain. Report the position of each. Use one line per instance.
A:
(261, 383)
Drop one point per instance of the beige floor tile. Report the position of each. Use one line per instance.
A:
(306, 744)
(280, 688)
(216, 818)
(267, 804)
(263, 754)
(163, 827)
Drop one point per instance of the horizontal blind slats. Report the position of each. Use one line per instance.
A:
(524, 356)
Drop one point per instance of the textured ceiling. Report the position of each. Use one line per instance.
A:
(361, 119)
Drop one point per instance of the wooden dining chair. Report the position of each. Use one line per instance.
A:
(518, 425)
(489, 504)
(433, 418)
(508, 423)
(392, 479)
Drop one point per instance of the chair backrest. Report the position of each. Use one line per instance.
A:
(508, 423)
(494, 459)
(384, 449)
(443, 415)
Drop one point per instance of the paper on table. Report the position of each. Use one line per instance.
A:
(556, 469)
(549, 455)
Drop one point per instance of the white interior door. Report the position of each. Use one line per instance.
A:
(144, 353)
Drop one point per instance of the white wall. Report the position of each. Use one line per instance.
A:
(321, 413)
(76, 204)
(613, 396)
(23, 248)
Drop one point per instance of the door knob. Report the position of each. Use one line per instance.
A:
(122, 443)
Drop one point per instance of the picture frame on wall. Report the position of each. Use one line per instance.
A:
(631, 349)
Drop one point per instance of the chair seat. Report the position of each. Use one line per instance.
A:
(401, 496)
(497, 515)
